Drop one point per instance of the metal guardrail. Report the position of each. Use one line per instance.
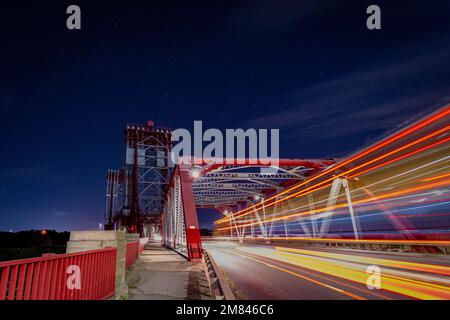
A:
(48, 277)
(219, 288)
(132, 253)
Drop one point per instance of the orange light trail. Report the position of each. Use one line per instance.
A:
(437, 177)
(435, 144)
(424, 123)
(370, 199)
(321, 184)
(370, 241)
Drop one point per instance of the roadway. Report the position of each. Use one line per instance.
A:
(268, 272)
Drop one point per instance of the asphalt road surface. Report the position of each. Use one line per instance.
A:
(267, 272)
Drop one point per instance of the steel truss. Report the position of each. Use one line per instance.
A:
(323, 220)
(223, 185)
(180, 224)
(145, 179)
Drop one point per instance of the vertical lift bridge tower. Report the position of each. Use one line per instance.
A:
(135, 193)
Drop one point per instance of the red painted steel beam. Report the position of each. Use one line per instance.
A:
(193, 238)
(213, 163)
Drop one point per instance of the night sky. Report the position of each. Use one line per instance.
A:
(310, 68)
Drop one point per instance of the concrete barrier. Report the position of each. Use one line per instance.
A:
(219, 288)
(92, 240)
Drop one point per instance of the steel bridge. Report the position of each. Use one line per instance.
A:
(395, 189)
(320, 229)
(374, 225)
(224, 186)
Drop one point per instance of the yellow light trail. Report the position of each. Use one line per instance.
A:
(324, 277)
(407, 131)
(328, 181)
(362, 201)
(307, 278)
(408, 287)
(432, 268)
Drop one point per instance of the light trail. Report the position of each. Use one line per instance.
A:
(321, 185)
(368, 215)
(437, 177)
(370, 185)
(321, 276)
(400, 158)
(322, 284)
(438, 269)
(407, 131)
(368, 241)
(401, 285)
(367, 200)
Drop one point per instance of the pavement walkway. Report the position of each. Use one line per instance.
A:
(162, 274)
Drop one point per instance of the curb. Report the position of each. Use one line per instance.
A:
(220, 290)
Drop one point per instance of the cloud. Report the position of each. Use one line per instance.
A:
(60, 213)
(373, 98)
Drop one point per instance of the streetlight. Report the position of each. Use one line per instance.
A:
(195, 173)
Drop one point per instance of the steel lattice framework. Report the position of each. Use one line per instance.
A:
(144, 179)
(174, 224)
(181, 230)
(222, 186)
(219, 186)
(142, 194)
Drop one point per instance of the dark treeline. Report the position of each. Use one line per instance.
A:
(32, 243)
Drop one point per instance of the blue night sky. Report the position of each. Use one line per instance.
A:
(310, 68)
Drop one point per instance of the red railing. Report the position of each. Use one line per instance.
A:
(132, 253)
(50, 278)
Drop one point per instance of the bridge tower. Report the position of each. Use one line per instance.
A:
(145, 180)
